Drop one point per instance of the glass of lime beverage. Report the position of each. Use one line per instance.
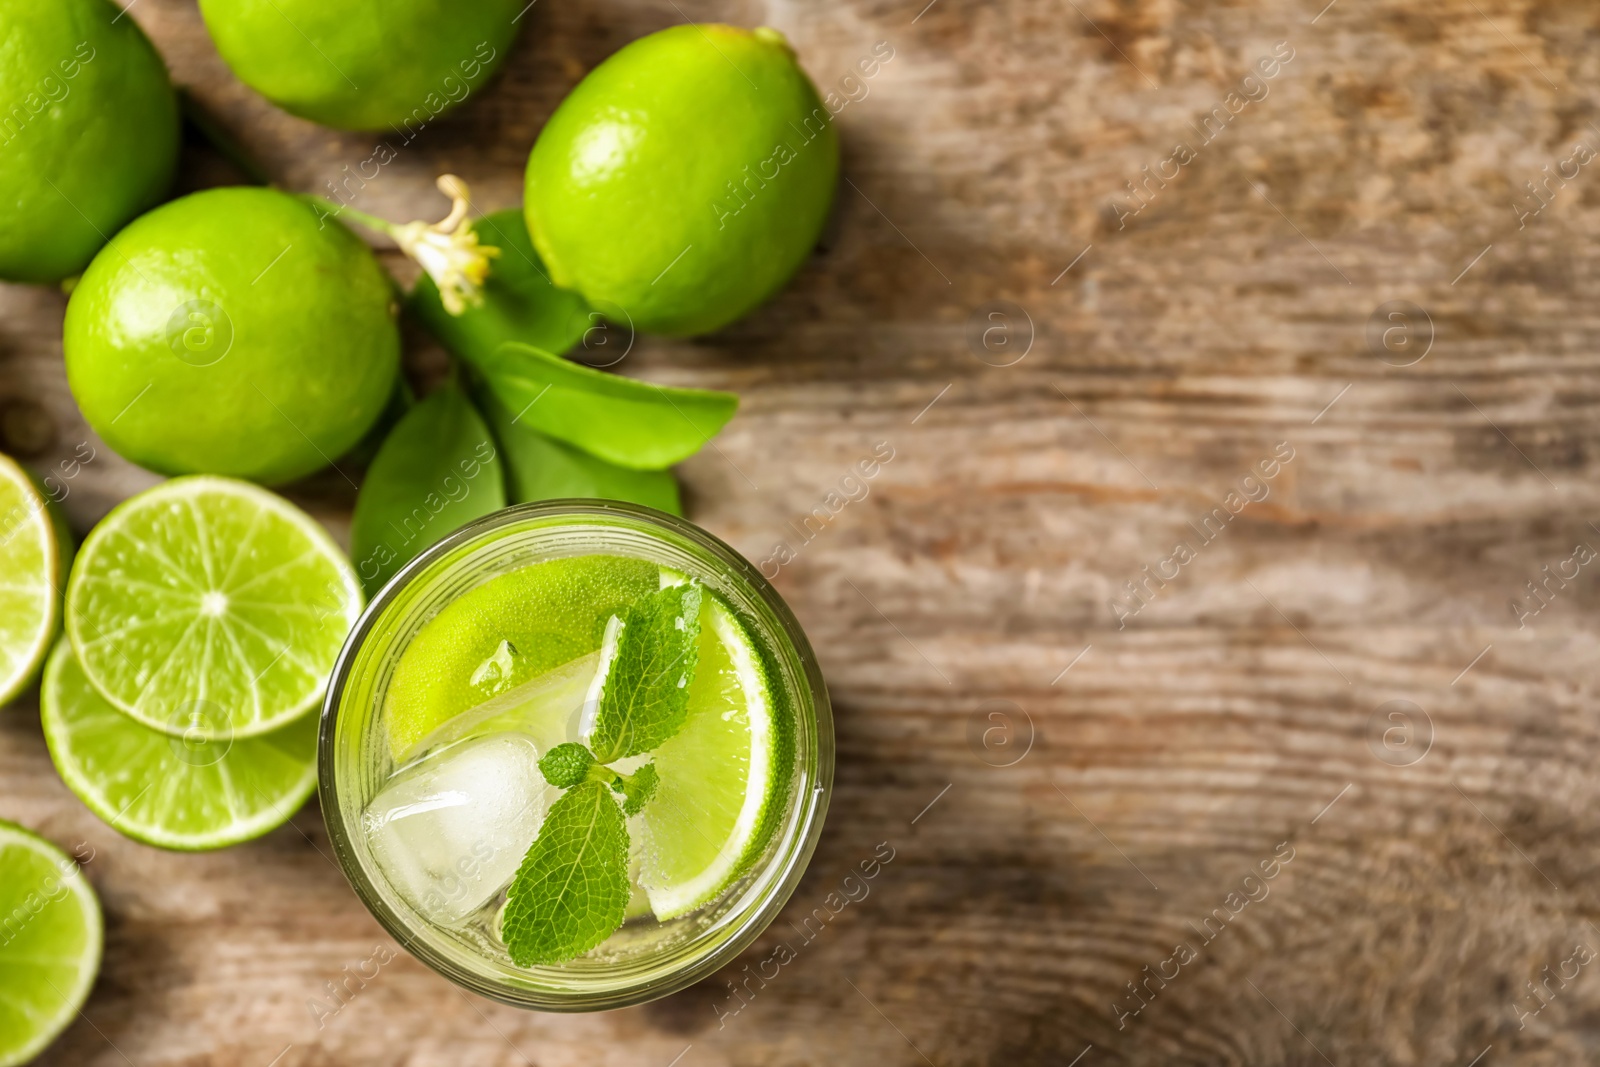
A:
(576, 755)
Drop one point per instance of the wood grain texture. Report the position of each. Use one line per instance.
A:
(1237, 711)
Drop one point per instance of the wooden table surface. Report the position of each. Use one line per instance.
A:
(1319, 793)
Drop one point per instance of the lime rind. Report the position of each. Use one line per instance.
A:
(183, 794)
(43, 985)
(33, 553)
(209, 592)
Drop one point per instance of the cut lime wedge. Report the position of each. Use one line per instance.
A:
(210, 605)
(719, 775)
(32, 562)
(50, 938)
(545, 708)
(184, 793)
(503, 633)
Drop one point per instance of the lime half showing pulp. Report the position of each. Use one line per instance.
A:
(31, 565)
(183, 793)
(210, 607)
(49, 944)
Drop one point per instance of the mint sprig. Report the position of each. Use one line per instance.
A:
(565, 766)
(569, 765)
(646, 690)
(638, 788)
(571, 892)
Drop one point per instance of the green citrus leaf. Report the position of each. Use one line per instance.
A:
(437, 471)
(621, 420)
(571, 892)
(401, 401)
(519, 301)
(542, 468)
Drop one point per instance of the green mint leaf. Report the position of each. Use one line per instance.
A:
(624, 421)
(645, 691)
(571, 892)
(638, 788)
(566, 765)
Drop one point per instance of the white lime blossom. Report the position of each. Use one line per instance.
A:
(449, 250)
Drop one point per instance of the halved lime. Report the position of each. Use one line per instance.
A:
(32, 562)
(505, 632)
(184, 793)
(50, 938)
(719, 776)
(209, 605)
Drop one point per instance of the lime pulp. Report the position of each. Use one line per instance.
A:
(505, 632)
(184, 793)
(49, 946)
(707, 823)
(32, 558)
(210, 607)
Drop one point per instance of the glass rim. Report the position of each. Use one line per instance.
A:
(811, 810)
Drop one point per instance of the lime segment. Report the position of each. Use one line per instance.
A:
(210, 604)
(182, 793)
(505, 632)
(30, 573)
(49, 943)
(708, 821)
(545, 709)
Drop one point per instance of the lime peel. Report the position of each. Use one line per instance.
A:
(32, 562)
(211, 794)
(35, 1006)
(696, 764)
(253, 600)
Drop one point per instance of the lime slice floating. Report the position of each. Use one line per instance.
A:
(49, 944)
(184, 793)
(32, 561)
(208, 604)
(720, 776)
(505, 632)
(546, 708)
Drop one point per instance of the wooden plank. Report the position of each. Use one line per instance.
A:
(1238, 716)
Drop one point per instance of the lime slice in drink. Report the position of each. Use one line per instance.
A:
(32, 562)
(544, 708)
(50, 938)
(210, 605)
(184, 793)
(720, 776)
(506, 632)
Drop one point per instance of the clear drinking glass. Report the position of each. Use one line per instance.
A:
(645, 959)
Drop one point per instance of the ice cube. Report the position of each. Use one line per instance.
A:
(450, 830)
(495, 674)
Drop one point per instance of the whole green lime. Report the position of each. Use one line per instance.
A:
(364, 64)
(88, 132)
(234, 331)
(685, 179)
